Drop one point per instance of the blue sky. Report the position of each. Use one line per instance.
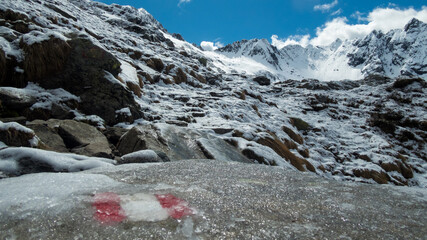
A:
(226, 21)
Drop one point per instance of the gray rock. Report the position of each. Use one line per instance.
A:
(142, 156)
(48, 135)
(83, 138)
(178, 143)
(141, 138)
(114, 134)
(83, 69)
(263, 81)
(231, 201)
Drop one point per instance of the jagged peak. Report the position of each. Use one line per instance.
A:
(414, 23)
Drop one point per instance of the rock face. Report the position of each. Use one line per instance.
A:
(73, 63)
(230, 200)
(89, 73)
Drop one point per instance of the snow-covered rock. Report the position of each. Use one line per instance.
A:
(15, 135)
(20, 161)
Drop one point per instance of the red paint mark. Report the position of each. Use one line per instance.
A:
(108, 210)
(177, 208)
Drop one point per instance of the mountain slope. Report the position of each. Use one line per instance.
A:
(119, 66)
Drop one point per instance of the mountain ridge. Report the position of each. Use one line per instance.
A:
(361, 60)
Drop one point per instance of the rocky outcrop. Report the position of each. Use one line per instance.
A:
(178, 143)
(72, 63)
(89, 74)
(262, 80)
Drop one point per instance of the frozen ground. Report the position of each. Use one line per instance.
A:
(229, 201)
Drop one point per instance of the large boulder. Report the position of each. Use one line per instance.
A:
(84, 139)
(48, 135)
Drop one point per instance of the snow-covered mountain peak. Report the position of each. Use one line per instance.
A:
(258, 49)
(415, 25)
(399, 52)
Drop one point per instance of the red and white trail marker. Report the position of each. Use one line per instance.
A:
(112, 208)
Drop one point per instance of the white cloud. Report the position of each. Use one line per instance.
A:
(337, 12)
(211, 46)
(302, 40)
(183, 1)
(326, 7)
(383, 19)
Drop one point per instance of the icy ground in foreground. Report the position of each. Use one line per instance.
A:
(231, 200)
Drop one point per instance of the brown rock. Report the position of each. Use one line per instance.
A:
(296, 137)
(280, 148)
(180, 77)
(379, 177)
(15, 135)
